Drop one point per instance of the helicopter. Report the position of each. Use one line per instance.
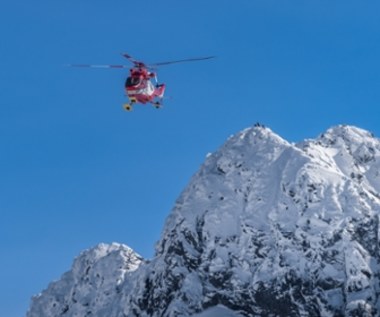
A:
(142, 86)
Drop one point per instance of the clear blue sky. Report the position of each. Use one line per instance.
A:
(77, 170)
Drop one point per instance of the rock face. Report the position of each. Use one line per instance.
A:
(264, 228)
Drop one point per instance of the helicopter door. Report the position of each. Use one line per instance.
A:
(149, 89)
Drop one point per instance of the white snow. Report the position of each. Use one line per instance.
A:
(217, 311)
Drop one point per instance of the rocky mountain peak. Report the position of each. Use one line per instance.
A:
(91, 284)
(349, 135)
(353, 144)
(264, 228)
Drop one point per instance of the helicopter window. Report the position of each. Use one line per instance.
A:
(132, 81)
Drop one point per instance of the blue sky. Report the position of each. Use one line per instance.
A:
(77, 170)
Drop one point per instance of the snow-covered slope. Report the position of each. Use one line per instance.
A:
(264, 228)
(91, 286)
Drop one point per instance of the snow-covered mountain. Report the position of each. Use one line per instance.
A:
(264, 228)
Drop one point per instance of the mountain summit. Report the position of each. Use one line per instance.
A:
(264, 228)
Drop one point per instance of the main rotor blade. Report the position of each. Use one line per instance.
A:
(98, 66)
(182, 61)
(134, 61)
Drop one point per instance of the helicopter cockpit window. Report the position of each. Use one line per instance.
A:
(132, 81)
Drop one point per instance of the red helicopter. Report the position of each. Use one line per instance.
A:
(141, 86)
